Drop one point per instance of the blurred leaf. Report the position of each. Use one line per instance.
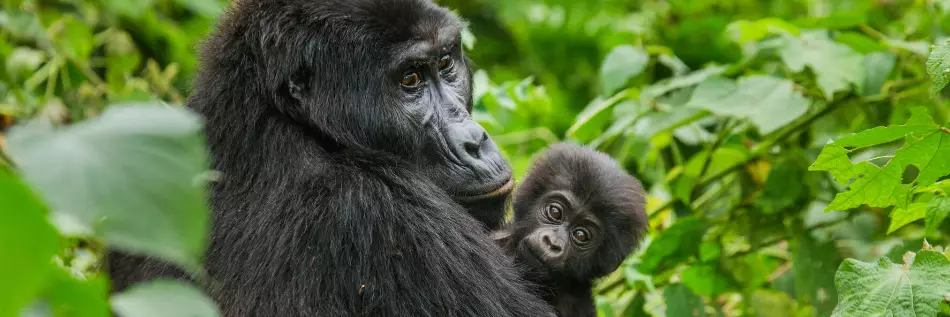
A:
(159, 149)
(23, 61)
(604, 307)
(126, 8)
(937, 211)
(914, 288)
(877, 67)
(902, 216)
(591, 121)
(813, 266)
(72, 38)
(744, 31)
(709, 251)
(206, 8)
(621, 64)
(28, 243)
(68, 296)
(680, 302)
(767, 102)
(664, 86)
(673, 245)
(705, 280)
(163, 298)
(771, 303)
(835, 65)
(783, 187)
(835, 20)
(938, 66)
(861, 43)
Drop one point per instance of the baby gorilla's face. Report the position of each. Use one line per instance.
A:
(563, 235)
(578, 214)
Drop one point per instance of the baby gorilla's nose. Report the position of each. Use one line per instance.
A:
(552, 244)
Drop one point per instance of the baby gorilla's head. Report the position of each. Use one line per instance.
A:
(577, 215)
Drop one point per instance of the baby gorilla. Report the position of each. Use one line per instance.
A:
(577, 216)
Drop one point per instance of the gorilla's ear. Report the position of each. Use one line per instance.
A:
(295, 90)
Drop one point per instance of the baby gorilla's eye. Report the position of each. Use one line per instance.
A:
(445, 62)
(580, 235)
(554, 212)
(411, 80)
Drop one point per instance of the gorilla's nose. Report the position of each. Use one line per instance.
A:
(471, 142)
(552, 244)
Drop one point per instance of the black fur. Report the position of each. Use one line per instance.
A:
(340, 187)
(592, 193)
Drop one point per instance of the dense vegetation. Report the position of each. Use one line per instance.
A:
(797, 152)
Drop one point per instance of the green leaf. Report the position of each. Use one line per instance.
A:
(73, 38)
(705, 280)
(925, 143)
(861, 43)
(163, 298)
(784, 185)
(130, 9)
(621, 64)
(70, 296)
(744, 31)
(813, 269)
(902, 216)
(133, 176)
(590, 123)
(681, 302)
(28, 244)
(767, 102)
(835, 65)
(23, 61)
(938, 66)
(667, 85)
(937, 211)
(915, 288)
(673, 245)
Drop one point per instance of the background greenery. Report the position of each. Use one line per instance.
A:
(796, 151)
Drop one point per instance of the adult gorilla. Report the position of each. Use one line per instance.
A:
(343, 131)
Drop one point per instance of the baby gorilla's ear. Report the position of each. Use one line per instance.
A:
(501, 236)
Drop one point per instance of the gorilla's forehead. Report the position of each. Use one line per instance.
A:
(394, 21)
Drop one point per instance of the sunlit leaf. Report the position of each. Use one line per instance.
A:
(133, 176)
(938, 66)
(903, 216)
(621, 64)
(767, 102)
(884, 288)
(667, 85)
(744, 31)
(673, 245)
(705, 280)
(163, 298)
(73, 38)
(67, 295)
(28, 243)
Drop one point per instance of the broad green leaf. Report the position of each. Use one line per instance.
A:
(73, 38)
(621, 64)
(681, 302)
(884, 288)
(784, 185)
(163, 298)
(900, 217)
(937, 212)
(836, 65)
(673, 245)
(861, 43)
(705, 280)
(590, 123)
(133, 176)
(938, 66)
(23, 61)
(767, 102)
(877, 67)
(28, 243)
(605, 307)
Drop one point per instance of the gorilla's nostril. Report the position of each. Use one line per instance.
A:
(553, 247)
(472, 149)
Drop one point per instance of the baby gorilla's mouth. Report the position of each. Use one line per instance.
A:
(501, 190)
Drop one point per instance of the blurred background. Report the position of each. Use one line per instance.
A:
(720, 107)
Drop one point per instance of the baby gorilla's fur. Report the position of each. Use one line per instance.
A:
(577, 216)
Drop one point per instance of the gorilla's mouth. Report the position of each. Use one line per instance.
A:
(501, 190)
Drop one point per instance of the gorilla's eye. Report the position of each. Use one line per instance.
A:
(580, 235)
(554, 212)
(445, 62)
(411, 80)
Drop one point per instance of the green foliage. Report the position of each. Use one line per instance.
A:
(914, 288)
(778, 140)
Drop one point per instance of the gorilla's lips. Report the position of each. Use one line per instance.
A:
(502, 190)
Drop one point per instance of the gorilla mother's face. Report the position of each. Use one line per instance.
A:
(396, 73)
